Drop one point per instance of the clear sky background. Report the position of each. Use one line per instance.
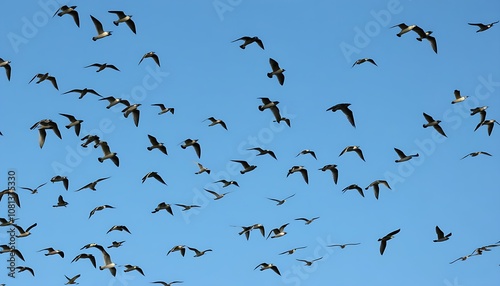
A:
(203, 74)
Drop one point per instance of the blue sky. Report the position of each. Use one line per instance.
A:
(203, 74)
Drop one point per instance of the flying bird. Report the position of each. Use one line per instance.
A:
(167, 284)
(216, 121)
(197, 252)
(264, 152)
(216, 195)
(41, 77)
(426, 35)
(12, 251)
(202, 169)
(272, 105)
(490, 123)
(6, 64)
(403, 157)
(300, 169)
(101, 67)
(116, 244)
(100, 32)
(277, 71)
(68, 10)
(353, 149)
(354, 187)
(164, 109)
(246, 167)
(187, 207)
(130, 267)
(404, 28)
(383, 240)
(180, 248)
(192, 142)
(333, 169)
(292, 251)
(114, 101)
(264, 266)
(434, 123)
(89, 139)
(12, 193)
(309, 262)
(483, 27)
(152, 55)
(122, 18)
(360, 61)
(163, 206)
(60, 202)
(83, 92)
(108, 154)
(118, 228)
(344, 107)
(85, 256)
(278, 232)
(280, 202)
(22, 232)
(306, 220)
(25, 268)
(44, 125)
(481, 110)
(35, 190)
(108, 264)
(248, 40)
(153, 175)
(440, 235)
(227, 183)
(52, 251)
(342, 246)
(73, 122)
(458, 97)
(62, 179)
(157, 145)
(92, 185)
(72, 280)
(100, 208)
(376, 189)
(307, 151)
(474, 154)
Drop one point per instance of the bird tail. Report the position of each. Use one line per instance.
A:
(208, 172)
(419, 39)
(269, 75)
(116, 23)
(242, 46)
(149, 148)
(100, 159)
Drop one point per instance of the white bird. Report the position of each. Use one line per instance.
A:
(100, 31)
(108, 264)
(108, 154)
(122, 18)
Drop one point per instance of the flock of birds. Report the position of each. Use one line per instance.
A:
(266, 104)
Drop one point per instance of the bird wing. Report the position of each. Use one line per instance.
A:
(360, 153)
(197, 148)
(383, 245)
(439, 232)
(274, 64)
(131, 25)
(433, 42)
(259, 42)
(153, 140)
(428, 117)
(419, 31)
(97, 24)
(350, 116)
(120, 14)
(439, 129)
(400, 153)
